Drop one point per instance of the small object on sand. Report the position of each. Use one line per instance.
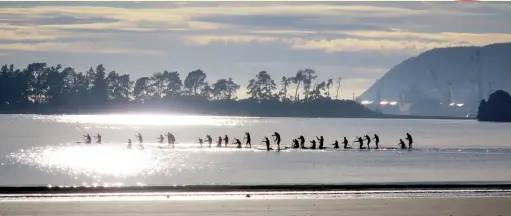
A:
(247, 196)
(168, 196)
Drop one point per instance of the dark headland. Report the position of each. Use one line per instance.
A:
(496, 109)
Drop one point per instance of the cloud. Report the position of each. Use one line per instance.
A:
(56, 19)
(209, 39)
(325, 45)
(32, 34)
(81, 47)
(317, 22)
(282, 32)
(302, 26)
(357, 45)
(448, 38)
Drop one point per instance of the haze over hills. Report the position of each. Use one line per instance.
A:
(432, 71)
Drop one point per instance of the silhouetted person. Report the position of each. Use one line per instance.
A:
(248, 141)
(360, 142)
(302, 142)
(321, 141)
(402, 144)
(366, 137)
(267, 142)
(98, 139)
(129, 143)
(345, 143)
(171, 139)
(237, 142)
(219, 142)
(377, 141)
(277, 139)
(226, 140)
(200, 142)
(160, 139)
(336, 144)
(313, 142)
(140, 140)
(209, 139)
(410, 140)
(296, 144)
(88, 140)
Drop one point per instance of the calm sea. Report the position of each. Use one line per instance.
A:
(43, 150)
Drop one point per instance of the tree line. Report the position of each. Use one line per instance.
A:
(40, 87)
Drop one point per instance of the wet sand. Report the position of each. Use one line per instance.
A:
(456, 206)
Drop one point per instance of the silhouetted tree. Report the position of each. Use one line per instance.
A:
(329, 84)
(142, 89)
(174, 85)
(119, 86)
(98, 90)
(14, 86)
(339, 79)
(67, 92)
(225, 89)
(90, 74)
(195, 82)
(37, 88)
(262, 87)
(205, 92)
(284, 82)
(317, 92)
(298, 79)
(55, 84)
(309, 77)
(80, 89)
(254, 90)
(160, 82)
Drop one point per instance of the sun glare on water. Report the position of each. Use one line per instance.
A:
(90, 160)
(148, 119)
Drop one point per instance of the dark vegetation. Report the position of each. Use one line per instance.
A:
(496, 109)
(40, 88)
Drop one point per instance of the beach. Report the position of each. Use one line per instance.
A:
(455, 206)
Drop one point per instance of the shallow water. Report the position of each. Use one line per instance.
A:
(42, 150)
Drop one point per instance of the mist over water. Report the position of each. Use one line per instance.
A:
(42, 150)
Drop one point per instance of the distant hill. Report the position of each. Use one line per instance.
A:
(436, 68)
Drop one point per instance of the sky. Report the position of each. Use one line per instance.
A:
(359, 41)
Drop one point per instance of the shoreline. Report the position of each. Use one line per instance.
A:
(260, 188)
(383, 116)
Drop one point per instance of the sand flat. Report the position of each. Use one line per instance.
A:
(469, 206)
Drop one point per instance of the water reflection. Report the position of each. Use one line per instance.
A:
(95, 163)
(149, 119)
(89, 160)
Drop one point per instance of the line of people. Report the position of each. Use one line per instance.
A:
(88, 139)
(297, 143)
(171, 139)
(225, 140)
